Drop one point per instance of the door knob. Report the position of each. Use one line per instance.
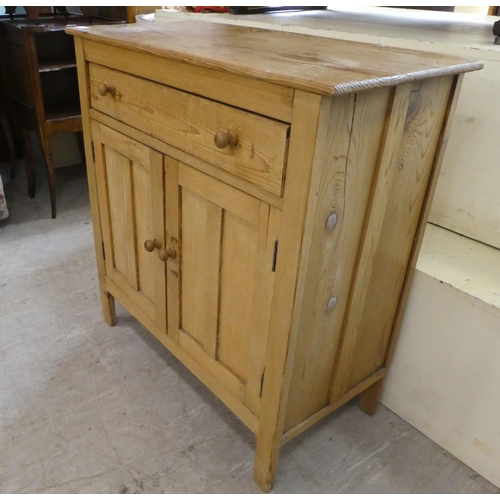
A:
(224, 139)
(151, 245)
(104, 89)
(169, 253)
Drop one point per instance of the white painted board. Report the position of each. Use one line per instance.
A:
(466, 199)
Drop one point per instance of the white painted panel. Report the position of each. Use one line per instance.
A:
(466, 199)
(445, 379)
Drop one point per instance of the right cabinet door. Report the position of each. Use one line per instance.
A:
(223, 278)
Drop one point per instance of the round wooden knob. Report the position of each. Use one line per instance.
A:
(151, 245)
(104, 89)
(170, 253)
(224, 139)
(163, 255)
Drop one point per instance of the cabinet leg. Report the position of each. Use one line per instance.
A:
(266, 457)
(108, 308)
(29, 159)
(264, 472)
(368, 400)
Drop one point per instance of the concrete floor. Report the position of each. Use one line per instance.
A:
(85, 408)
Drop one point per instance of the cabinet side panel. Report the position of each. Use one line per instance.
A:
(395, 212)
(341, 183)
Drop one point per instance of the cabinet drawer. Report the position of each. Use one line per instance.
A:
(191, 123)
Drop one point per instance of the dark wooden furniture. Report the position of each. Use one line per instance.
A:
(6, 113)
(41, 69)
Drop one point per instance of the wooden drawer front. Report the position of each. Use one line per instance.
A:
(190, 123)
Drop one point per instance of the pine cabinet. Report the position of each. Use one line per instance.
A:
(258, 202)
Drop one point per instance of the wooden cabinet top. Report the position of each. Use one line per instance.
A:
(319, 65)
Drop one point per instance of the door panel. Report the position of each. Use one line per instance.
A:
(144, 210)
(226, 280)
(201, 242)
(237, 282)
(130, 190)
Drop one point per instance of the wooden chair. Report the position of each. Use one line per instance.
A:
(6, 114)
(41, 66)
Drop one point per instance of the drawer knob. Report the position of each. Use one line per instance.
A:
(104, 89)
(224, 139)
(151, 245)
(169, 253)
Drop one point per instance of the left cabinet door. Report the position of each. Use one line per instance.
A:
(131, 203)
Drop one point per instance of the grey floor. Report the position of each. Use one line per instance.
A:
(89, 408)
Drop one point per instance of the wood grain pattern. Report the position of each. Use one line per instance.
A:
(200, 371)
(327, 66)
(305, 118)
(316, 417)
(227, 379)
(173, 213)
(201, 247)
(190, 123)
(269, 226)
(260, 97)
(394, 215)
(341, 182)
(187, 159)
(426, 207)
(107, 301)
(230, 199)
(386, 171)
(225, 308)
(237, 282)
(130, 215)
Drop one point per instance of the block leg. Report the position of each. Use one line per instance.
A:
(266, 464)
(368, 400)
(108, 304)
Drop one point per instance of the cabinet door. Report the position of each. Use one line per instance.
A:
(131, 201)
(224, 277)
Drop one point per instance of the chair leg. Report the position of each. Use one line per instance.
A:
(81, 145)
(29, 158)
(45, 144)
(10, 143)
